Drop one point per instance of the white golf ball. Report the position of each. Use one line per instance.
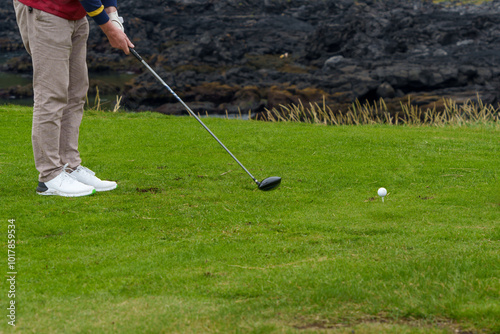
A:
(382, 192)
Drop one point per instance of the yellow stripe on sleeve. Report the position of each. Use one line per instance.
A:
(96, 12)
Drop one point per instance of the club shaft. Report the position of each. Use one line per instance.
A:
(191, 112)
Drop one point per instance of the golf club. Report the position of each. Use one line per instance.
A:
(269, 183)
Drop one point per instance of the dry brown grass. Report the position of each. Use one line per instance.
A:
(101, 106)
(358, 113)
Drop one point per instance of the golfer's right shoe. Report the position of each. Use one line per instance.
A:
(64, 185)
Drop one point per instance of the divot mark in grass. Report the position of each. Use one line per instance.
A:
(152, 190)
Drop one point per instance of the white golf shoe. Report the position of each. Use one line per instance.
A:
(64, 185)
(86, 176)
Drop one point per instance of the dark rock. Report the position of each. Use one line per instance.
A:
(178, 109)
(248, 98)
(333, 62)
(385, 90)
(212, 52)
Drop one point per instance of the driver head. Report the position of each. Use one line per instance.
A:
(270, 183)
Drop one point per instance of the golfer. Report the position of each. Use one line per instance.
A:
(54, 33)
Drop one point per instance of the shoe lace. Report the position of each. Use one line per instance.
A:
(65, 176)
(82, 169)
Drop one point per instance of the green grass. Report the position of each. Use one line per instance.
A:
(186, 244)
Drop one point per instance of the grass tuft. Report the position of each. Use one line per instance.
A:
(453, 113)
(99, 106)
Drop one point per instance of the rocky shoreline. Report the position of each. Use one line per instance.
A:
(248, 55)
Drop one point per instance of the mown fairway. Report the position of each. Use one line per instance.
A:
(186, 244)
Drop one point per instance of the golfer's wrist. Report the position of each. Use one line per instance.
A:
(110, 10)
(108, 27)
(103, 17)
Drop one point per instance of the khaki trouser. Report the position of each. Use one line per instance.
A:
(58, 48)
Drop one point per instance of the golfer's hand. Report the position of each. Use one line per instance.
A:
(116, 37)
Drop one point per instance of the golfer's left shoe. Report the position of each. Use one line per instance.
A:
(86, 176)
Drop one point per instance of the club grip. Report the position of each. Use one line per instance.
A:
(132, 50)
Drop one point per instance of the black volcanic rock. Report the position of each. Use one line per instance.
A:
(278, 51)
